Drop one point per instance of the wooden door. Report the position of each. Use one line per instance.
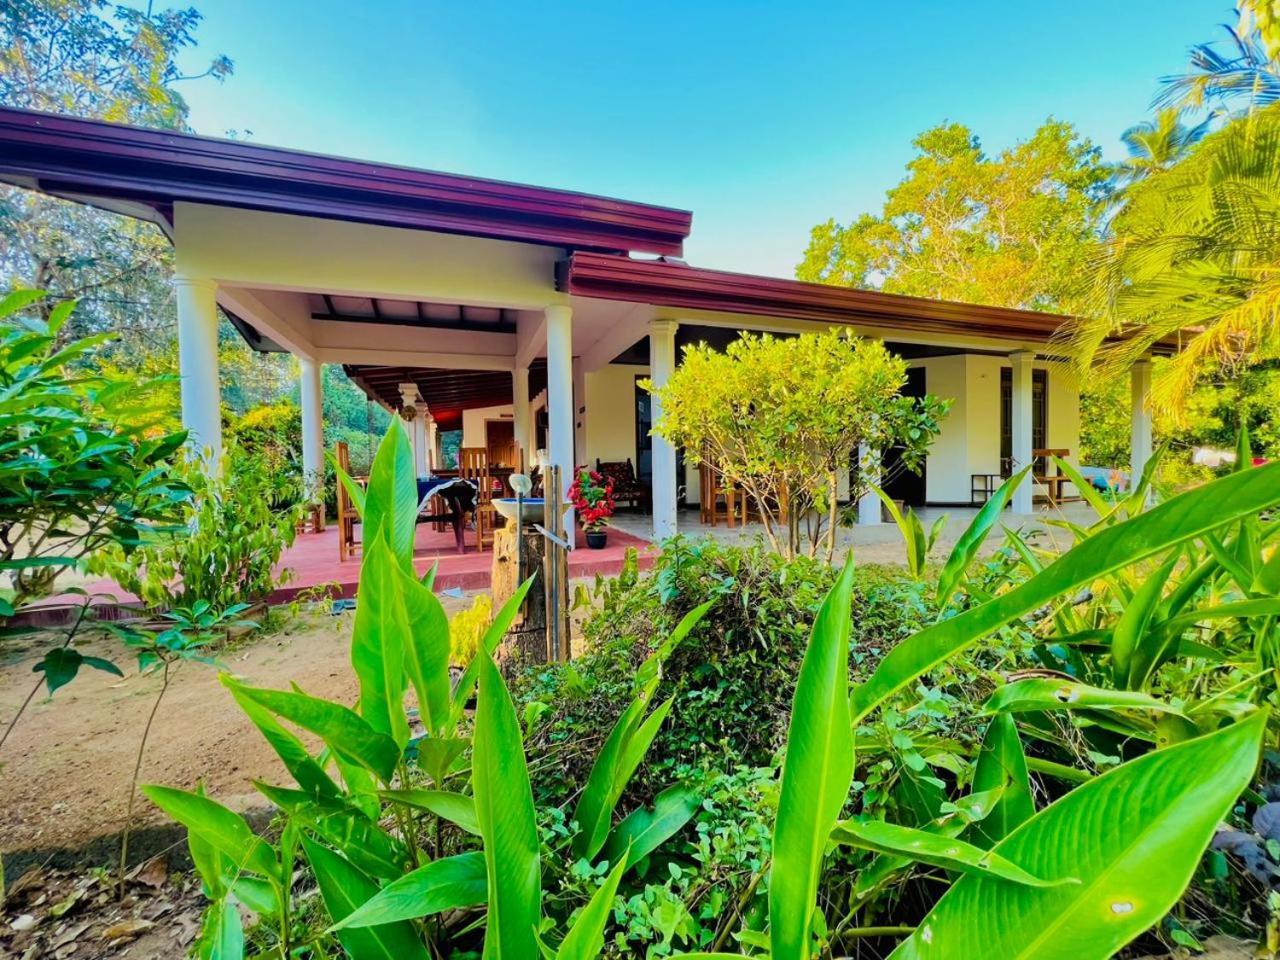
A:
(500, 440)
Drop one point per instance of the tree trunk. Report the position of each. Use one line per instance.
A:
(526, 641)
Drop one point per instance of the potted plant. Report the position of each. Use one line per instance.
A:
(592, 497)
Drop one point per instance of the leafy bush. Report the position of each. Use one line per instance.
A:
(467, 627)
(236, 526)
(83, 458)
(964, 852)
(741, 659)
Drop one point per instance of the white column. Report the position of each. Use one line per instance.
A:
(433, 448)
(523, 421)
(1020, 424)
(869, 505)
(1140, 435)
(312, 396)
(198, 364)
(560, 398)
(662, 364)
(579, 414)
(420, 458)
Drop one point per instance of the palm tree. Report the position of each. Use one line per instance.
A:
(1248, 71)
(1193, 261)
(1158, 144)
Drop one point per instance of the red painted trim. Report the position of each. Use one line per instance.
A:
(71, 154)
(664, 283)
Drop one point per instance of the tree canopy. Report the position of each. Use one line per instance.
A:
(1008, 230)
(784, 418)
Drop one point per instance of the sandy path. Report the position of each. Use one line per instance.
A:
(64, 772)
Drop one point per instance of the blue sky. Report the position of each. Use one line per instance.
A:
(763, 119)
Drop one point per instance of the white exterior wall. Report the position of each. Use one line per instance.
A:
(611, 412)
(473, 430)
(969, 442)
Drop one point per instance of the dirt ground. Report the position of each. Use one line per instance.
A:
(64, 772)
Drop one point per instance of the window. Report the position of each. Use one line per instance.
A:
(1039, 417)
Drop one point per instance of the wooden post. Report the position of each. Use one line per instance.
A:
(526, 641)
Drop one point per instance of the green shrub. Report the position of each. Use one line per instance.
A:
(235, 528)
(741, 660)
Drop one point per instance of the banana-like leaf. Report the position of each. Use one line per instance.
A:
(354, 490)
(344, 888)
(391, 499)
(1002, 764)
(488, 643)
(1087, 490)
(617, 761)
(222, 934)
(343, 730)
(436, 755)
(457, 808)
(817, 771)
(1133, 837)
(652, 666)
(342, 823)
(378, 640)
(949, 853)
(1047, 693)
(642, 831)
(222, 829)
(585, 938)
(1163, 527)
(1235, 610)
(974, 536)
(426, 652)
(447, 884)
(504, 807)
(308, 773)
(1133, 647)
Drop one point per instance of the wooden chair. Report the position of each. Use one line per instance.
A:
(627, 489)
(347, 515)
(473, 464)
(716, 500)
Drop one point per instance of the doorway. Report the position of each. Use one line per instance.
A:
(500, 441)
(903, 484)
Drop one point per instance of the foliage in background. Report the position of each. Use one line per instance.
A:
(467, 627)
(1011, 230)
(784, 418)
(83, 466)
(232, 533)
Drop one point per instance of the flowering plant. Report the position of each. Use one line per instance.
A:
(592, 496)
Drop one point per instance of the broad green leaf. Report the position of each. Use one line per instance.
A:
(447, 884)
(488, 643)
(950, 853)
(1132, 837)
(1131, 653)
(61, 664)
(615, 764)
(1235, 610)
(1002, 764)
(343, 730)
(391, 499)
(378, 639)
(585, 938)
(652, 666)
(221, 934)
(436, 755)
(354, 490)
(971, 541)
(1165, 526)
(504, 807)
(426, 652)
(308, 773)
(1087, 490)
(457, 808)
(817, 771)
(642, 831)
(1046, 693)
(344, 889)
(222, 829)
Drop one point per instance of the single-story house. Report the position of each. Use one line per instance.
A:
(523, 316)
